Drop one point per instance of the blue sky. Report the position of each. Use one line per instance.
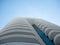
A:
(45, 9)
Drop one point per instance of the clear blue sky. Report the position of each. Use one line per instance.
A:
(46, 9)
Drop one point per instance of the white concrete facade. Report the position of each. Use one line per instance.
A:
(21, 31)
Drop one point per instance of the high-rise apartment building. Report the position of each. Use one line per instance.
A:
(25, 31)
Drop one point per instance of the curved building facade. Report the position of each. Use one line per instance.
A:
(25, 31)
